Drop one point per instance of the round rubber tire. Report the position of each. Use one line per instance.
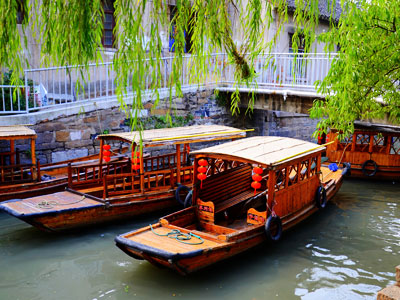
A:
(320, 197)
(364, 169)
(179, 189)
(271, 221)
(188, 199)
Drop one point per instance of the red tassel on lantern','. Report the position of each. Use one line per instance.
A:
(201, 177)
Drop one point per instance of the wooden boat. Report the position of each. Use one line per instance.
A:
(27, 180)
(144, 184)
(228, 215)
(373, 151)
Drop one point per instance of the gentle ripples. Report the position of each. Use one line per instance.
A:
(348, 251)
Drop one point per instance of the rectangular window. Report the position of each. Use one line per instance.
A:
(108, 24)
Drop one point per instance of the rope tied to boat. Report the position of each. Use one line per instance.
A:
(50, 204)
(181, 236)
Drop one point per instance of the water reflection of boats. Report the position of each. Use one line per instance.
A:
(19, 180)
(373, 151)
(228, 215)
(124, 189)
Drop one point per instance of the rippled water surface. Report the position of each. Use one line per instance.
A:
(347, 251)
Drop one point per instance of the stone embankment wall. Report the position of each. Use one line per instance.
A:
(69, 137)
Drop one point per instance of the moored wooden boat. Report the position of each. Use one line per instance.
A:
(27, 180)
(228, 215)
(142, 185)
(373, 151)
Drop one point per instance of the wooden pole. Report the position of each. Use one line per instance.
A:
(12, 149)
(178, 163)
(271, 189)
(33, 157)
(141, 172)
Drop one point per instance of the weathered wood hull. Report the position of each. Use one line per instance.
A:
(217, 246)
(27, 190)
(67, 210)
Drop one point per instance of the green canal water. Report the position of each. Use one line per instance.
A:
(347, 251)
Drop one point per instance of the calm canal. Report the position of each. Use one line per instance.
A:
(348, 251)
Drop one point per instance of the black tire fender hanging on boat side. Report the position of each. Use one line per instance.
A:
(179, 189)
(320, 197)
(273, 228)
(367, 172)
(188, 199)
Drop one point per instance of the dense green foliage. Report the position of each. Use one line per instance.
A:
(70, 32)
(364, 80)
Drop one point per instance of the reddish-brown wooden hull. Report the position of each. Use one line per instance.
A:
(199, 259)
(23, 191)
(68, 219)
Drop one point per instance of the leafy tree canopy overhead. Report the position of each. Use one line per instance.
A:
(70, 32)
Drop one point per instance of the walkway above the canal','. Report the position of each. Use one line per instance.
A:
(48, 93)
(392, 292)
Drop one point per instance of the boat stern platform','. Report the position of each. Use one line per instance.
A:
(111, 189)
(245, 192)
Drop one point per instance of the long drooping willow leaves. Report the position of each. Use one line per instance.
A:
(363, 83)
(70, 33)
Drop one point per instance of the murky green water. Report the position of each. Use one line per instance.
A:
(348, 251)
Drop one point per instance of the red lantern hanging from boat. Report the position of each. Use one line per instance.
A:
(106, 153)
(202, 170)
(257, 178)
(136, 161)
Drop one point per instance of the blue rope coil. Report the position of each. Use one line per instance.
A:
(180, 236)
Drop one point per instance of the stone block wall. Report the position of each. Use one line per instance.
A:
(73, 136)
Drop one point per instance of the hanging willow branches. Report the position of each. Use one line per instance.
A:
(70, 33)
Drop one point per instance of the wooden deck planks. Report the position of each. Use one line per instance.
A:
(168, 244)
(52, 202)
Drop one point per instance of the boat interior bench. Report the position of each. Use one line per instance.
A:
(230, 188)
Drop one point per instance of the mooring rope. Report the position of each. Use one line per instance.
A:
(50, 204)
(180, 236)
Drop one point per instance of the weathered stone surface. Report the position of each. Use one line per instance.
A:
(70, 154)
(62, 136)
(45, 137)
(78, 144)
(75, 135)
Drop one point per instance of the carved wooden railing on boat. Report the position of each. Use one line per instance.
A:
(18, 173)
(164, 161)
(88, 174)
(11, 157)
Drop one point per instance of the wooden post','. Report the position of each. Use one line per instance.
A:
(100, 159)
(141, 173)
(178, 163)
(271, 190)
(69, 175)
(12, 149)
(33, 157)
(391, 292)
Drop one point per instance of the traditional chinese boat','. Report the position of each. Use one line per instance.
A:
(373, 151)
(245, 192)
(141, 185)
(27, 180)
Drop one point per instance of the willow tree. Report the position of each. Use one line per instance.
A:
(363, 82)
(70, 32)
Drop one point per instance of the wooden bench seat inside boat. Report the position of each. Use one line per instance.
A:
(224, 191)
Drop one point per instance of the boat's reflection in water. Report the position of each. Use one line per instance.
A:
(348, 251)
